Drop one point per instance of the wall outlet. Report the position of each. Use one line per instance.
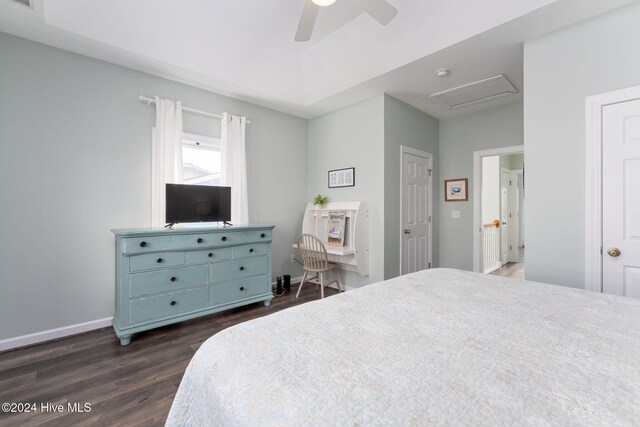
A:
(293, 258)
(455, 214)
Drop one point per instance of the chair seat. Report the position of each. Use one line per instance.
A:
(330, 266)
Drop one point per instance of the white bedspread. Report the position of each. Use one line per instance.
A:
(438, 347)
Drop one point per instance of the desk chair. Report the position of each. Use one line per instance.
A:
(314, 258)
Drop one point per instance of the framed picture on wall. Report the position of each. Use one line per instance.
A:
(342, 178)
(455, 190)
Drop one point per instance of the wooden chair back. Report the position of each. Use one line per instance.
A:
(313, 252)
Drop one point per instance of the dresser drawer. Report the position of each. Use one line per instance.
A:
(208, 255)
(230, 270)
(256, 236)
(143, 245)
(222, 238)
(154, 282)
(156, 308)
(231, 238)
(224, 293)
(157, 260)
(250, 250)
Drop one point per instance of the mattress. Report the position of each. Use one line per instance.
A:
(437, 347)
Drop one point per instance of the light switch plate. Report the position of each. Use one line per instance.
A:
(455, 214)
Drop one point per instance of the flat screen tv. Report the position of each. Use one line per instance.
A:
(197, 203)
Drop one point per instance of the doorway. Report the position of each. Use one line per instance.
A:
(415, 210)
(613, 196)
(499, 182)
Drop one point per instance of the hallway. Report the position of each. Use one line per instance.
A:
(512, 269)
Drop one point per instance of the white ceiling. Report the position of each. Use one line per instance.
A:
(245, 48)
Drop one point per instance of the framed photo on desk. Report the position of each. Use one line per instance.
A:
(336, 228)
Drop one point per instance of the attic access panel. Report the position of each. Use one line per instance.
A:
(476, 92)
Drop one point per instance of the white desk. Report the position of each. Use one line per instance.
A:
(354, 256)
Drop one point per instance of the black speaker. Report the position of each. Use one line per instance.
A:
(287, 283)
(278, 285)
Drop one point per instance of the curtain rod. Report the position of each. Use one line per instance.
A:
(150, 101)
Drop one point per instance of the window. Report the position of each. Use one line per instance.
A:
(201, 159)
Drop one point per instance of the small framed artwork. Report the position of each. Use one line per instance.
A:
(342, 178)
(455, 190)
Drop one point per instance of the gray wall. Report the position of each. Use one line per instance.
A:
(353, 137)
(459, 138)
(75, 161)
(561, 70)
(405, 125)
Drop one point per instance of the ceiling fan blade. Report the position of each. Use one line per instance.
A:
(380, 10)
(307, 21)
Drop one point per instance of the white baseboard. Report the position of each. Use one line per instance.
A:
(294, 280)
(38, 337)
(344, 287)
(494, 267)
(297, 280)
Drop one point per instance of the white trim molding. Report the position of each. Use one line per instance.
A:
(593, 179)
(409, 150)
(297, 280)
(51, 334)
(294, 280)
(477, 196)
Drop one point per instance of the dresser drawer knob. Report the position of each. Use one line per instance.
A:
(143, 244)
(210, 254)
(200, 240)
(173, 303)
(242, 288)
(160, 260)
(224, 238)
(241, 268)
(173, 279)
(251, 250)
(263, 235)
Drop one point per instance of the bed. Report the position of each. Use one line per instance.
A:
(437, 347)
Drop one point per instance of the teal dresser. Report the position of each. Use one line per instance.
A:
(166, 276)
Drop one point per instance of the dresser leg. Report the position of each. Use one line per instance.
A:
(125, 340)
(267, 303)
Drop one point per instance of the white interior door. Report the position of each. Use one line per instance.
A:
(504, 216)
(621, 199)
(508, 215)
(415, 251)
(520, 210)
(514, 216)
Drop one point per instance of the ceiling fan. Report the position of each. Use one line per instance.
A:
(381, 10)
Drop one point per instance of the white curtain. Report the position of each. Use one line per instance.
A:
(234, 166)
(166, 155)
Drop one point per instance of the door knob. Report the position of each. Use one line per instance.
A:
(407, 231)
(613, 252)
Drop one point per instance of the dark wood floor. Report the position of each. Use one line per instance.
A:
(131, 385)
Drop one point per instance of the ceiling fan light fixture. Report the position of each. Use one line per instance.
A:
(380, 10)
(323, 3)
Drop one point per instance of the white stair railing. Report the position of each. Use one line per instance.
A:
(491, 248)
